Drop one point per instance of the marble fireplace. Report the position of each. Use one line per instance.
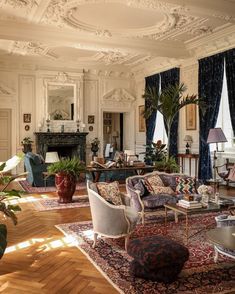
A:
(67, 144)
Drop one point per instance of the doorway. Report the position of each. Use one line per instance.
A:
(113, 129)
(5, 134)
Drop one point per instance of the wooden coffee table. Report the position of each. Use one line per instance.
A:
(222, 238)
(212, 207)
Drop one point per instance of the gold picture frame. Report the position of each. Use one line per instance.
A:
(191, 123)
(142, 126)
(27, 117)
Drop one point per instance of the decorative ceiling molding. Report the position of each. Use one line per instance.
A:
(62, 14)
(118, 95)
(20, 3)
(31, 48)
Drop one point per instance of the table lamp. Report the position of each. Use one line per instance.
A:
(52, 157)
(189, 140)
(216, 135)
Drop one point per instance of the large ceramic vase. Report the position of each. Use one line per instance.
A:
(65, 185)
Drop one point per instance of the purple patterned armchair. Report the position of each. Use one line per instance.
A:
(144, 202)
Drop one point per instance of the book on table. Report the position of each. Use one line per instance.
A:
(108, 164)
(189, 204)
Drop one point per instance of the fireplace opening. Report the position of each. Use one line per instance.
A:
(64, 151)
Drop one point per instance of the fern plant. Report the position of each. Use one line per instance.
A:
(69, 166)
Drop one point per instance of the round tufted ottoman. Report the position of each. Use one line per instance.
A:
(157, 258)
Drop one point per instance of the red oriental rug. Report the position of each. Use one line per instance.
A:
(28, 188)
(199, 275)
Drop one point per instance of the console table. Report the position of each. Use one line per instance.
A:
(66, 144)
(183, 156)
(96, 172)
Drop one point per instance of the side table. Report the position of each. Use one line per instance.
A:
(183, 156)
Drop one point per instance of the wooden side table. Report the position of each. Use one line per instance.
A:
(183, 156)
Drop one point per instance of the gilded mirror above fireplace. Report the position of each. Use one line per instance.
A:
(61, 101)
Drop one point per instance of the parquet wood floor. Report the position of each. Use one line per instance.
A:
(40, 260)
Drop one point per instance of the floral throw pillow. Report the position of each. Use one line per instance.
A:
(162, 190)
(153, 181)
(110, 192)
(185, 185)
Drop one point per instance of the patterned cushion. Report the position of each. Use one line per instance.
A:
(110, 192)
(162, 190)
(153, 181)
(185, 185)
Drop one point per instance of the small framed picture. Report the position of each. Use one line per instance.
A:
(142, 127)
(27, 117)
(191, 123)
(91, 119)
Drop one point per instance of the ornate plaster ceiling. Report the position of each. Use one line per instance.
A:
(113, 32)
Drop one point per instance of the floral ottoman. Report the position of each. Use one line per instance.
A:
(157, 258)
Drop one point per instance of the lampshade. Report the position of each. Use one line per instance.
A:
(52, 157)
(216, 135)
(188, 138)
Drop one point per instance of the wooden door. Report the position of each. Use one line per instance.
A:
(5, 134)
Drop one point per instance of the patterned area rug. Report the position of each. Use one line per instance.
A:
(200, 273)
(52, 203)
(28, 188)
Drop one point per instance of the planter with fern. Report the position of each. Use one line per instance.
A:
(66, 173)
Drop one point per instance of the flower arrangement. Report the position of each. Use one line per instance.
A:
(204, 189)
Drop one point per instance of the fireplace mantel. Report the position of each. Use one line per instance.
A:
(67, 144)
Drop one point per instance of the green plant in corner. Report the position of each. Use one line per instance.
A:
(168, 103)
(7, 209)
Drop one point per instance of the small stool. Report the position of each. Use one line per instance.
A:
(157, 258)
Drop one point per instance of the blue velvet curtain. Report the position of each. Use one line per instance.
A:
(230, 73)
(172, 77)
(151, 81)
(210, 88)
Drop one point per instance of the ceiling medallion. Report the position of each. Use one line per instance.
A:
(66, 13)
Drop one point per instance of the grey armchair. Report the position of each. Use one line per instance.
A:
(110, 220)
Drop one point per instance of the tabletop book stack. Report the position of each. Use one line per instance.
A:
(189, 203)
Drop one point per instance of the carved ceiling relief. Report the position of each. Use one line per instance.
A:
(5, 90)
(31, 48)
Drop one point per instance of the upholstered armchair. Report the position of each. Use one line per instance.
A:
(35, 167)
(112, 221)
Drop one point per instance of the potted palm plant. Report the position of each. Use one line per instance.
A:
(168, 103)
(66, 173)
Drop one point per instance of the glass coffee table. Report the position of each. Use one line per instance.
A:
(212, 207)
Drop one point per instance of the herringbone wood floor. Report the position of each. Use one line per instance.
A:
(40, 261)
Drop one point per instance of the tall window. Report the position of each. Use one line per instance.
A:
(224, 119)
(160, 132)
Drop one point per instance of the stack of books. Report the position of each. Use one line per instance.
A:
(189, 204)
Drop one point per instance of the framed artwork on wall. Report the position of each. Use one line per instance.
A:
(91, 119)
(27, 117)
(142, 127)
(191, 123)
